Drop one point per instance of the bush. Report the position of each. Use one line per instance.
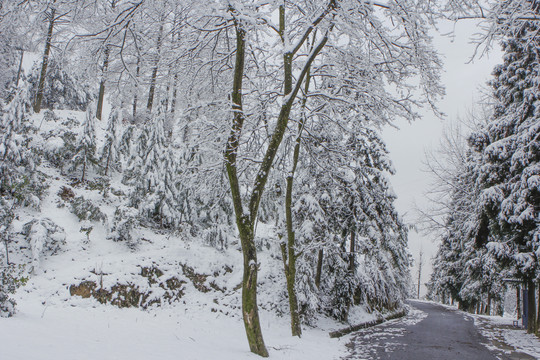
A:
(10, 279)
(125, 219)
(44, 237)
(86, 210)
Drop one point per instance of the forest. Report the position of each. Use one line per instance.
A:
(231, 151)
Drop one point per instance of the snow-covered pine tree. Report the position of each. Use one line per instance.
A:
(463, 269)
(312, 240)
(152, 170)
(109, 158)
(347, 227)
(18, 180)
(20, 184)
(86, 152)
(510, 146)
(63, 87)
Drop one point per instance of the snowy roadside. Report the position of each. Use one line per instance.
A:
(94, 331)
(502, 336)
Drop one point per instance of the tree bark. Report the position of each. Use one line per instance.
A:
(538, 315)
(244, 223)
(45, 63)
(135, 96)
(174, 92)
(7, 250)
(99, 108)
(518, 302)
(318, 273)
(352, 249)
(19, 71)
(289, 255)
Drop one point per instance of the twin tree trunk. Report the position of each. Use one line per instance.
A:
(245, 221)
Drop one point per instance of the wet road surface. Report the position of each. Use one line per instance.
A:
(429, 332)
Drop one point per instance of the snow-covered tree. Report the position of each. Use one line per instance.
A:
(86, 151)
(153, 170)
(509, 144)
(109, 157)
(18, 180)
(64, 87)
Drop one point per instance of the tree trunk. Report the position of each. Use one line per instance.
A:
(7, 250)
(531, 316)
(168, 89)
(101, 95)
(488, 305)
(84, 167)
(420, 263)
(538, 315)
(289, 256)
(20, 68)
(135, 96)
(318, 273)
(45, 63)
(244, 223)
(352, 249)
(174, 91)
(518, 302)
(250, 310)
(153, 79)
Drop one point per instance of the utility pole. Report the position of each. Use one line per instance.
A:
(420, 263)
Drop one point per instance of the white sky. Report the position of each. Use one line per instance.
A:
(462, 80)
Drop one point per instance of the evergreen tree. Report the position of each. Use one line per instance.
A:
(86, 152)
(152, 169)
(18, 178)
(110, 154)
(510, 147)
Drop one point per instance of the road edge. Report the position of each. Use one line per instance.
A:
(391, 316)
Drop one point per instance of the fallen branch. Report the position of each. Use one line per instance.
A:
(368, 324)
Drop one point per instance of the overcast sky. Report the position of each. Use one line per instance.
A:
(462, 79)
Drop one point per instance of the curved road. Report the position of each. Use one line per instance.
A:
(429, 332)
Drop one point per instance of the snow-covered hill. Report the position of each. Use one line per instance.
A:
(166, 295)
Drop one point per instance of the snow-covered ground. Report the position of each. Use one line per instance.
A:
(52, 324)
(503, 336)
(95, 331)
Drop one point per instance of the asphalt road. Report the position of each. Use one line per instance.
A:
(442, 334)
